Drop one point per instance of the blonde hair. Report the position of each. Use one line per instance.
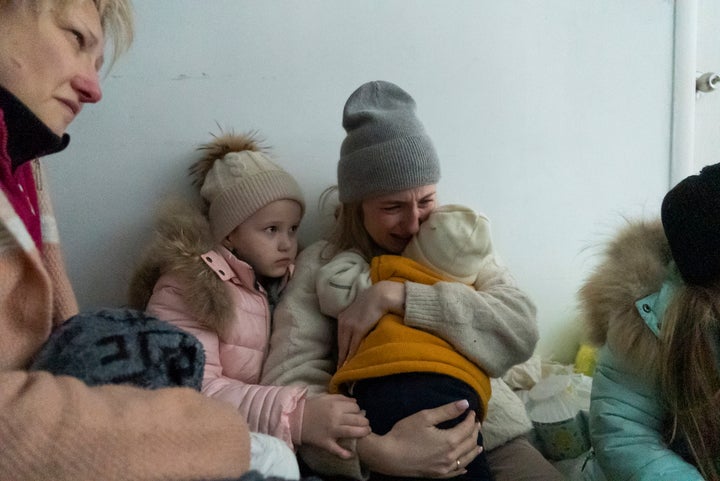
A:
(690, 373)
(348, 232)
(116, 19)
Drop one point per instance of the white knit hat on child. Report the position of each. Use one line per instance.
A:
(454, 241)
(236, 179)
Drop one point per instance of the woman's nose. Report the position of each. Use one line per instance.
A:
(87, 85)
(412, 221)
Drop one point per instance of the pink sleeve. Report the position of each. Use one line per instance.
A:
(274, 410)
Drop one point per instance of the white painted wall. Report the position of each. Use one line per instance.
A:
(553, 117)
(707, 125)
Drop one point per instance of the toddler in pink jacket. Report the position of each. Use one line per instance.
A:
(217, 271)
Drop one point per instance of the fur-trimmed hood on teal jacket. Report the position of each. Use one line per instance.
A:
(622, 304)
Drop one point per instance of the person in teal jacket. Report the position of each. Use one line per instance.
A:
(653, 303)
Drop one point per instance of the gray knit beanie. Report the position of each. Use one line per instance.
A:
(236, 179)
(386, 148)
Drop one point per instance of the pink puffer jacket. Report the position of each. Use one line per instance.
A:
(214, 296)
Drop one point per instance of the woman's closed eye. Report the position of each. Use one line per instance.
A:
(78, 37)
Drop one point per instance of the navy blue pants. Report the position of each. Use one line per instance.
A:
(388, 399)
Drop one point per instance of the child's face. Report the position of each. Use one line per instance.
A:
(267, 240)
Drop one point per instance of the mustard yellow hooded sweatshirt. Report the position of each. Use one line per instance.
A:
(394, 348)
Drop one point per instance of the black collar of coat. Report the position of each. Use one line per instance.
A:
(27, 136)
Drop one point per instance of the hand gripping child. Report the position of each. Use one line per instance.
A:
(398, 370)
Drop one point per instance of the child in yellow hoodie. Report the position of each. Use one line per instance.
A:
(398, 370)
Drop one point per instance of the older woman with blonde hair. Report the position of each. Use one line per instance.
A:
(56, 427)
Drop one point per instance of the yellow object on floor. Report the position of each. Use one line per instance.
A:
(585, 359)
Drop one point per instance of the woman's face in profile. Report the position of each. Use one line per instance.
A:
(50, 57)
(392, 219)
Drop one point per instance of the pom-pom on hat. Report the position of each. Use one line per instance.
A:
(691, 220)
(386, 148)
(454, 241)
(237, 178)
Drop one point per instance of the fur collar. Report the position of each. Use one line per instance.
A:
(182, 234)
(633, 265)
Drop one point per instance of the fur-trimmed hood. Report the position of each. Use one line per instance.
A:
(181, 235)
(634, 265)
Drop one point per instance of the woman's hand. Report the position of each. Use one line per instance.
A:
(360, 317)
(330, 417)
(416, 448)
